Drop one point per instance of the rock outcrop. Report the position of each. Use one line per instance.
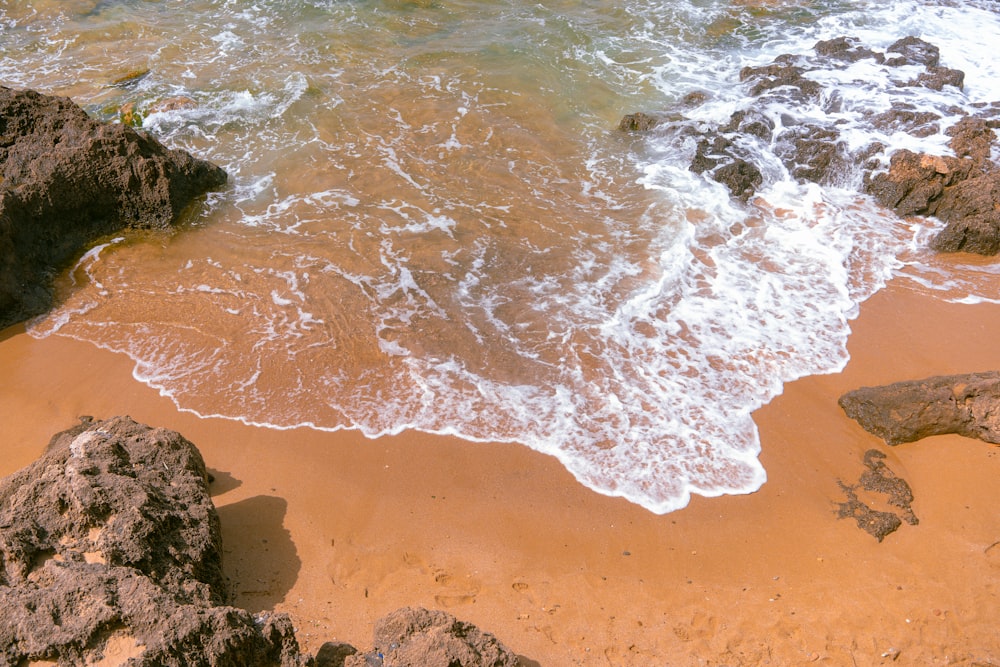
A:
(111, 554)
(66, 180)
(110, 549)
(413, 637)
(968, 405)
(963, 189)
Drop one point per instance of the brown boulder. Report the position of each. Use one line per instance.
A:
(110, 549)
(916, 181)
(66, 180)
(968, 405)
(972, 211)
(414, 637)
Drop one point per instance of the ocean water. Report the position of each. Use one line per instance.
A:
(433, 223)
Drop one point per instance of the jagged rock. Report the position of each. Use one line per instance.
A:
(110, 549)
(414, 637)
(915, 182)
(750, 122)
(719, 158)
(846, 48)
(973, 138)
(936, 78)
(66, 180)
(913, 51)
(811, 152)
(915, 123)
(972, 211)
(908, 411)
(785, 72)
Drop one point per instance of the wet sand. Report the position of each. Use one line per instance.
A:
(338, 530)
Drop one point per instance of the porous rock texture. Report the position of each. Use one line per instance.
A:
(415, 637)
(111, 554)
(67, 180)
(967, 404)
(110, 549)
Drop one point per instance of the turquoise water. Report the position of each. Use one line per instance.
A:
(433, 223)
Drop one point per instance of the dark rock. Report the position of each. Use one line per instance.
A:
(780, 74)
(936, 78)
(973, 138)
(718, 157)
(913, 51)
(638, 122)
(878, 479)
(811, 152)
(848, 49)
(916, 123)
(413, 637)
(972, 211)
(741, 177)
(66, 180)
(907, 411)
(333, 654)
(110, 549)
(915, 182)
(751, 122)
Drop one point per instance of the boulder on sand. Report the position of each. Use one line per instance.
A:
(967, 404)
(111, 553)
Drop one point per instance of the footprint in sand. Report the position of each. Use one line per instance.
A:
(458, 590)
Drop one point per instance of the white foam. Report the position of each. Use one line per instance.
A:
(597, 301)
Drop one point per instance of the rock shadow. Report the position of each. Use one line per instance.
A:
(220, 482)
(259, 558)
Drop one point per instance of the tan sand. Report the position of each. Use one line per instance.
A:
(338, 530)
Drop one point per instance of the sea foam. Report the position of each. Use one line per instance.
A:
(433, 224)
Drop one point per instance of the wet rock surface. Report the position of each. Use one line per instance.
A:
(878, 479)
(111, 553)
(962, 189)
(908, 411)
(67, 180)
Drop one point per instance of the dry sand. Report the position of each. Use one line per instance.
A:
(338, 530)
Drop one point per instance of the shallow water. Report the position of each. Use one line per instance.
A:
(432, 222)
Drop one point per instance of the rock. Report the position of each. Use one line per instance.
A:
(973, 138)
(811, 152)
(878, 479)
(110, 550)
(916, 181)
(847, 49)
(915, 123)
(936, 78)
(972, 211)
(414, 637)
(638, 122)
(718, 157)
(784, 72)
(66, 180)
(913, 51)
(968, 405)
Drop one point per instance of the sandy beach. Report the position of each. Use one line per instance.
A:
(338, 530)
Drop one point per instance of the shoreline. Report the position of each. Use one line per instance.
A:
(338, 530)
